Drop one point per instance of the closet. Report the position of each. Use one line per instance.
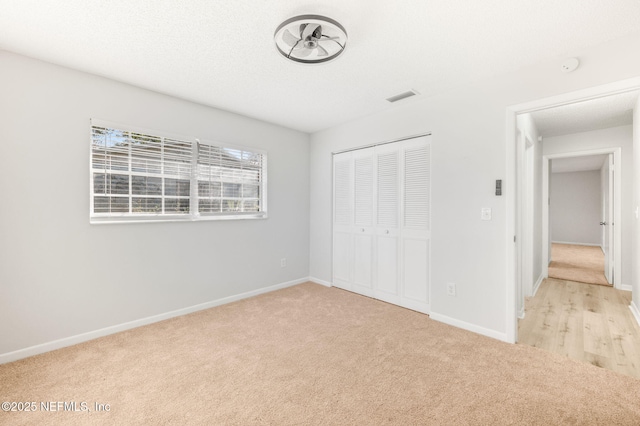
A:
(381, 222)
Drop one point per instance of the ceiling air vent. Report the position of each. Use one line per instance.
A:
(401, 96)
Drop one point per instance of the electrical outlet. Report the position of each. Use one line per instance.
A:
(283, 262)
(451, 289)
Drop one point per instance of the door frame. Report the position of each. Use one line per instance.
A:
(617, 204)
(511, 137)
(525, 151)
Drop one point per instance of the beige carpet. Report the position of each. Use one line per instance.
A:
(310, 355)
(583, 264)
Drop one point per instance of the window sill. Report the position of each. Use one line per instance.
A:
(148, 219)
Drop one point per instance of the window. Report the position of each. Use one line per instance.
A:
(229, 180)
(137, 176)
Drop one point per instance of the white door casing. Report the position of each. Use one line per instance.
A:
(608, 220)
(610, 266)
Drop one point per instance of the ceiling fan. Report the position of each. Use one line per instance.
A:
(310, 39)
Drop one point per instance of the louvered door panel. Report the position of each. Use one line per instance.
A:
(388, 192)
(416, 218)
(363, 175)
(343, 220)
(417, 187)
(388, 188)
(343, 197)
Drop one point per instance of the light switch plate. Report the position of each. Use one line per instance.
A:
(486, 213)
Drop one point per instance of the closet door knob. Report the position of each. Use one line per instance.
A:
(362, 229)
(386, 232)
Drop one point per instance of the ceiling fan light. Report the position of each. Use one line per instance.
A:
(310, 39)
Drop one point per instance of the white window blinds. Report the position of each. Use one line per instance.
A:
(229, 180)
(138, 176)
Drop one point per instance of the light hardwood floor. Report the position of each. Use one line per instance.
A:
(586, 322)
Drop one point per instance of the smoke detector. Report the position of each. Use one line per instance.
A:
(310, 39)
(570, 65)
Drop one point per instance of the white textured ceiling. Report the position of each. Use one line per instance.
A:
(577, 164)
(594, 114)
(222, 54)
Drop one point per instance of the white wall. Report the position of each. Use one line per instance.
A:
(575, 209)
(60, 276)
(621, 136)
(468, 155)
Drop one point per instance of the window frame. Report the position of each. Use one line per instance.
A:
(193, 214)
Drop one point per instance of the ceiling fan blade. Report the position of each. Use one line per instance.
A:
(307, 30)
(289, 38)
(303, 53)
(327, 38)
(317, 33)
(322, 51)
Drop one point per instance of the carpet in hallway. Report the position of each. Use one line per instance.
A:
(573, 262)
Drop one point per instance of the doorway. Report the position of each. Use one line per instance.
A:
(518, 260)
(582, 244)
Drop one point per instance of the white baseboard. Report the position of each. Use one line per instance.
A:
(625, 287)
(79, 338)
(536, 286)
(576, 244)
(468, 326)
(635, 311)
(521, 313)
(319, 281)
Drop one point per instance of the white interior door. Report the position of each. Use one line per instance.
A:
(381, 226)
(416, 224)
(343, 220)
(607, 221)
(387, 222)
(363, 164)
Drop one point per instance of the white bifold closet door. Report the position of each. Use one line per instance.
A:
(381, 235)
